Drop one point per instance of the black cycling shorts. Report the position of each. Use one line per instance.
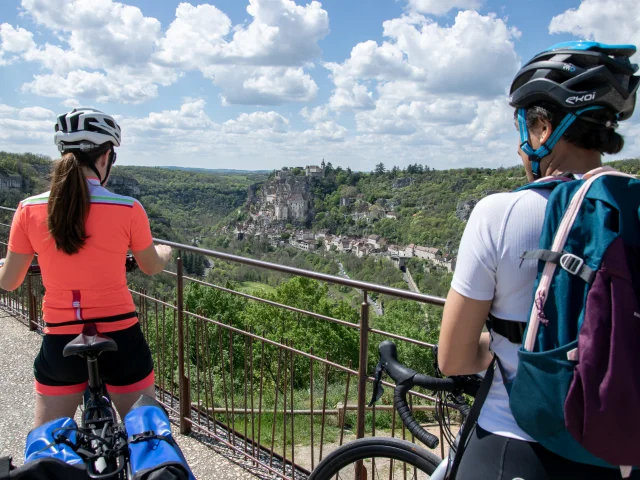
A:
(130, 369)
(494, 457)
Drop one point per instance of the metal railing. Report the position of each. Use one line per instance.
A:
(245, 392)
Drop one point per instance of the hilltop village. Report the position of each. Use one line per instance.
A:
(279, 207)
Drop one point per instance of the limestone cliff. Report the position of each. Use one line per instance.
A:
(124, 185)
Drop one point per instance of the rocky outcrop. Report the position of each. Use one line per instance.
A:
(11, 182)
(459, 184)
(252, 196)
(124, 185)
(402, 182)
(43, 170)
(464, 209)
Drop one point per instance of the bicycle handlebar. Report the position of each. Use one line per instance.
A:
(407, 378)
(130, 264)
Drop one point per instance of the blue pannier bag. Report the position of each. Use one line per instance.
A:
(48, 453)
(153, 453)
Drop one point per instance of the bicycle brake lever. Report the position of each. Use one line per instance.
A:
(377, 384)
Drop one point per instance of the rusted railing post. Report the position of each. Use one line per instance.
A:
(362, 366)
(185, 400)
(31, 305)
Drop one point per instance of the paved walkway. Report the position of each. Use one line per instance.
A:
(18, 348)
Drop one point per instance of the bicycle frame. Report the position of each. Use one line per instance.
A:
(99, 416)
(447, 463)
(99, 429)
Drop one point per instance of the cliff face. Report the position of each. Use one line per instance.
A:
(402, 183)
(283, 198)
(252, 196)
(287, 186)
(124, 185)
(464, 209)
(12, 182)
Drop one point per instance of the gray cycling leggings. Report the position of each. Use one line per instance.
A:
(493, 457)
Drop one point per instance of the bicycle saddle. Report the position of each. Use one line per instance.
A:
(89, 341)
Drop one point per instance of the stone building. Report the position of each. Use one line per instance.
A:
(374, 240)
(297, 206)
(282, 211)
(313, 171)
(427, 253)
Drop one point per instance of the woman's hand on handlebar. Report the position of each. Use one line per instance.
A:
(164, 252)
(153, 259)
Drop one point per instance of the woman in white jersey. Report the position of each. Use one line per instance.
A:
(491, 281)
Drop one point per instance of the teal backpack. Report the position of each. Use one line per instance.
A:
(577, 387)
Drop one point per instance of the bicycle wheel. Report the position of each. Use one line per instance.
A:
(380, 458)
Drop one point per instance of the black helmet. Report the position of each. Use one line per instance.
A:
(574, 75)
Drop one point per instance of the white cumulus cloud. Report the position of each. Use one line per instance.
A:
(474, 57)
(94, 86)
(14, 41)
(26, 129)
(280, 33)
(262, 85)
(257, 121)
(101, 32)
(440, 7)
(261, 63)
(316, 114)
(602, 21)
(113, 52)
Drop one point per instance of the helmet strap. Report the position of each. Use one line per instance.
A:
(545, 149)
(110, 162)
(95, 170)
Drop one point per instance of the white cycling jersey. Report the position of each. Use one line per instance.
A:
(500, 229)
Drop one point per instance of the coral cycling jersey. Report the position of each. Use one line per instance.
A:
(92, 283)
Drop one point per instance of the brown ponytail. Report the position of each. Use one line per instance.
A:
(68, 205)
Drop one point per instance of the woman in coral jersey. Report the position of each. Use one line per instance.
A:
(81, 233)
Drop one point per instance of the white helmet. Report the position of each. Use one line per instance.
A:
(86, 129)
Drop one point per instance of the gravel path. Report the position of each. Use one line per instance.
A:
(19, 348)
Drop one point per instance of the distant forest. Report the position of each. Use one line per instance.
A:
(192, 205)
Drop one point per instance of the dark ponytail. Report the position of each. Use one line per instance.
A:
(606, 140)
(69, 202)
(592, 130)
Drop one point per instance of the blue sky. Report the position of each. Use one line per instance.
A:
(259, 84)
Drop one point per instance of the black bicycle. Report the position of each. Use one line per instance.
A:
(101, 441)
(388, 458)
